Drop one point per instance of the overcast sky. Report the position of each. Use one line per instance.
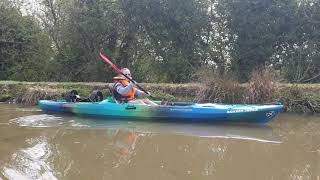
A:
(30, 6)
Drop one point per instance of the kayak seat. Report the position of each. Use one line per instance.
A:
(96, 96)
(71, 96)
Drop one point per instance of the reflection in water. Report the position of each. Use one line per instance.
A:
(30, 163)
(260, 133)
(40, 146)
(303, 173)
(33, 109)
(124, 142)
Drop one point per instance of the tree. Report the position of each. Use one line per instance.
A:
(24, 47)
(300, 55)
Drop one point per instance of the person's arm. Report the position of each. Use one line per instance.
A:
(123, 90)
(140, 93)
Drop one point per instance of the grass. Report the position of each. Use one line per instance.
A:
(295, 97)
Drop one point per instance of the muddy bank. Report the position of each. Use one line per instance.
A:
(295, 97)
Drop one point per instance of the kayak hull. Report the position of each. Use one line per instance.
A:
(207, 112)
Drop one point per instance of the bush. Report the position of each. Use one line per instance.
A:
(261, 87)
(296, 99)
(218, 89)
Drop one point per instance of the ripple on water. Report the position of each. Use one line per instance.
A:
(28, 109)
(259, 134)
(42, 120)
(46, 120)
(30, 163)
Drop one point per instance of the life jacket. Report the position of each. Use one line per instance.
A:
(130, 95)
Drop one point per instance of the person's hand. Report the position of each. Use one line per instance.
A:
(148, 93)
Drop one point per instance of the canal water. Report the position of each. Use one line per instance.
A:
(35, 145)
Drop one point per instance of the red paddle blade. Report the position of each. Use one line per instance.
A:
(109, 62)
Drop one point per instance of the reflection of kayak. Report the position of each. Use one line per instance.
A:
(247, 133)
(250, 132)
(254, 133)
(260, 133)
(192, 112)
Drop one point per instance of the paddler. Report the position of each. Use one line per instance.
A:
(124, 91)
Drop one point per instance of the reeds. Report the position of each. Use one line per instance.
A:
(219, 89)
(34, 94)
(298, 99)
(261, 87)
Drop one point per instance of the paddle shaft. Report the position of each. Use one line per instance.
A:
(119, 71)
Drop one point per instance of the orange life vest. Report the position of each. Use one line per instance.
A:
(130, 95)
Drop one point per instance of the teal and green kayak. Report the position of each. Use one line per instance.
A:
(177, 112)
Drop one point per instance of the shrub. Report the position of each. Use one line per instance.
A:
(218, 89)
(261, 87)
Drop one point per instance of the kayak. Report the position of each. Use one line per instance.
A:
(176, 112)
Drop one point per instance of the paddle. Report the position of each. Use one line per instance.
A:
(118, 70)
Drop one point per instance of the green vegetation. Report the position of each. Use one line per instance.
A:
(296, 98)
(25, 49)
(160, 40)
(222, 50)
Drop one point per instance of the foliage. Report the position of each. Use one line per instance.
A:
(159, 40)
(297, 99)
(218, 89)
(24, 46)
(298, 54)
(261, 87)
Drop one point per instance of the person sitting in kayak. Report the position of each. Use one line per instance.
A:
(124, 91)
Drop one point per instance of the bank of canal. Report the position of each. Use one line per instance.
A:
(295, 97)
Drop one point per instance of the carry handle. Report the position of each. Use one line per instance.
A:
(130, 107)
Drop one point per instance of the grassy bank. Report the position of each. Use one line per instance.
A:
(295, 97)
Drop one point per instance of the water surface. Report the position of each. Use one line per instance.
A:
(35, 145)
